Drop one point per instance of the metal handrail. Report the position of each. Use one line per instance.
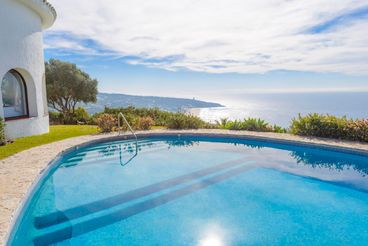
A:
(130, 159)
(126, 122)
(121, 115)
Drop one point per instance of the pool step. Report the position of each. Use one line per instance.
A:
(104, 145)
(62, 225)
(113, 158)
(100, 149)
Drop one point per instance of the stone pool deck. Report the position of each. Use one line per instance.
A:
(19, 172)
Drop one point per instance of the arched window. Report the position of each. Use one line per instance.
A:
(14, 93)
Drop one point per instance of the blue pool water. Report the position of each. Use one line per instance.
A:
(199, 191)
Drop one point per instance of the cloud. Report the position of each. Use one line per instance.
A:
(68, 44)
(220, 36)
(343, 19)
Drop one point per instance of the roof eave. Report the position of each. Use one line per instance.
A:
(44, 9)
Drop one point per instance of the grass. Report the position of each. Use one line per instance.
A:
(57, 132)
(158, 127)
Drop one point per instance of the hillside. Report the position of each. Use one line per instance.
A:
(166, 103)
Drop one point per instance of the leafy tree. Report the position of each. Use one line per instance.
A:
(68, 85)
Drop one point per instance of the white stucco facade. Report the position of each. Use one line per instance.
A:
(21, 50)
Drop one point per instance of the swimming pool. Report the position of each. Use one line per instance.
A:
(193, 190)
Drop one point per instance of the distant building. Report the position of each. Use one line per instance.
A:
(23, 102)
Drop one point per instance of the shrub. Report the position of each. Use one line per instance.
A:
(182, 121)
(81, 115)
(106, 122)
(93, 119)
(328, 126)
(249, 124)
(278, 129)
(133, 121)
(208, 125)
(319, 125)
(222, 123)
(160, 117)
(2, 132)
(55, 118)
(140, 119)
(144, 123)
(254, 124)
(234, 125)
(357, 130)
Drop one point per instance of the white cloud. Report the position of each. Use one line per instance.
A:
(66, 44)
(222, 36)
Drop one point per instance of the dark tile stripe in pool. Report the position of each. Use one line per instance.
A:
(92, 155)
(89, 208)
(98, 222)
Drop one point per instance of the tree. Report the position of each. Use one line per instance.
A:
(66, 86)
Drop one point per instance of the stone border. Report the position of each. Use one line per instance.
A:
(22, 172)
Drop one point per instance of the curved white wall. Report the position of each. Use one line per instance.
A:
(21, 48)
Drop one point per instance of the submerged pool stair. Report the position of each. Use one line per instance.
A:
(75, 221)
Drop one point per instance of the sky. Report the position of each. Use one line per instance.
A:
(211, 49)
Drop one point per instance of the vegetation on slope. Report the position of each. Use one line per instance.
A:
(316, 125)
(249, 124)
(329, 126)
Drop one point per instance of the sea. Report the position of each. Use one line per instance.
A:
(281, 108)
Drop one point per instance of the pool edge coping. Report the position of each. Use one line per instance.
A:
(288, 139)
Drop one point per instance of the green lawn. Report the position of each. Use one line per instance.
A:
(56, 133)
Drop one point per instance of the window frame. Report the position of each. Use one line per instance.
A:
(26, 115)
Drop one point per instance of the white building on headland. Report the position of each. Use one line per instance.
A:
(23, 102)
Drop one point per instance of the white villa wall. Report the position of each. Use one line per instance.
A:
(21, 49)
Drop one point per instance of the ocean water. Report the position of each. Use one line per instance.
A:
(280, 108)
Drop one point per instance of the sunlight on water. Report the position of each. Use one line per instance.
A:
(281, 108)
(212, 236)
(211, 240)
